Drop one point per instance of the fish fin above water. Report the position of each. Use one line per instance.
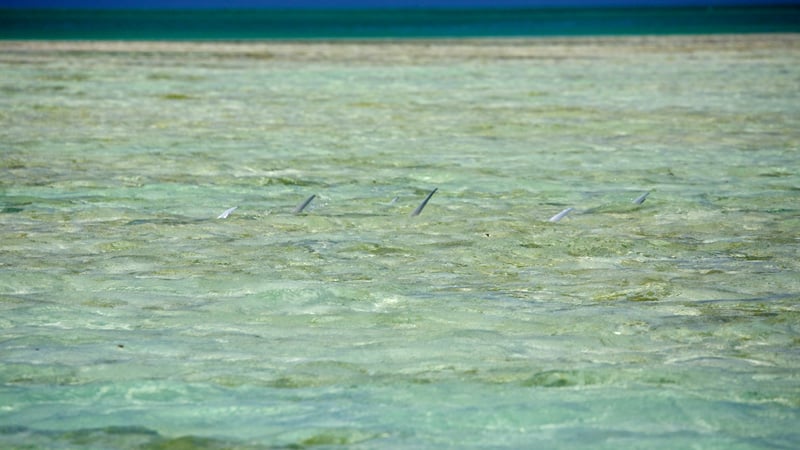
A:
(227, 213)
(421, 206)
(640, 199)
(303, 205)
(560, 215)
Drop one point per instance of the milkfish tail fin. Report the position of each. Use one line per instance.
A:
(640, 199)
(421, 206)
(561, 215)
(303, 205)
(227, 213)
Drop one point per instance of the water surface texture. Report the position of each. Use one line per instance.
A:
(134, 317)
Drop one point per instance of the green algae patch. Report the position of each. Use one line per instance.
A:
(562, 378)
(338, 437)
(176, 96)
(649, 291)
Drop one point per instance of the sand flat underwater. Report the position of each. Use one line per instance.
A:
(132, 316)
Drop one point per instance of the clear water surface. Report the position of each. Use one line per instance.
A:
(133, 317)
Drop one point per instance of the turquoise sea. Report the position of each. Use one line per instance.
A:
(133, 316)
(389, 23)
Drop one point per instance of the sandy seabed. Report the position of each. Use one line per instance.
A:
(419, 50)
(133, 318)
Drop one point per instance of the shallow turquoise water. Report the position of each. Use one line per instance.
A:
(133, 317)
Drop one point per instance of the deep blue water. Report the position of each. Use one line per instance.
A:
(316, 24)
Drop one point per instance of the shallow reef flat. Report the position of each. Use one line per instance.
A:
(238, 245)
